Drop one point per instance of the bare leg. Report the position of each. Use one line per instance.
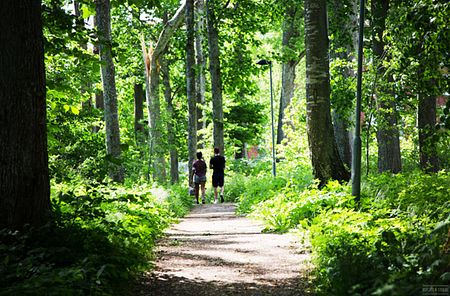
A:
(196, 189)
(203, 192)
(215, 194)
(221, 194)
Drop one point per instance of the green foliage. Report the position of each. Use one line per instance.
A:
(101, 235)
(392, 243)
(297, 205)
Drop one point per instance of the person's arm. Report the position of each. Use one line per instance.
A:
(211, 163)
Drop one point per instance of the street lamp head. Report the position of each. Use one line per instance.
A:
(264, 62)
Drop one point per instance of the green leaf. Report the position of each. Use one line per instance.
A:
(87, 12)
(74, 110)
(66, 108)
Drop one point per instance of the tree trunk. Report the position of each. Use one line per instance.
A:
(174, 175)
(389, 158)
(139, 97)
(24, 176)
(151, 62)
(426, 120)
(99, 100)
(324, 153)
(342, 135)
(85, 87)
(216, 80)
(190, 86)
(291, 32)
(103, 15)
(344, 28)
(200, 82)
(99, 104)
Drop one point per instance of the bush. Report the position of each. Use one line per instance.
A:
(290, 208)
(101, 235)
(391, 243)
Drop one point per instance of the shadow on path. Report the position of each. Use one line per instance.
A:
(214, 252)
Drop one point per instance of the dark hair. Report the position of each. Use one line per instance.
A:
(216, 150)
(199, 155)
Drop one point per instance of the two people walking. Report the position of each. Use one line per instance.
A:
(217, 164)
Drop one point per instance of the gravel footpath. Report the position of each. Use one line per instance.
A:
(214, 252)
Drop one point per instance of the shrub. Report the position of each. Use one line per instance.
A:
(101, 235)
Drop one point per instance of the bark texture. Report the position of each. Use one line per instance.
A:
(152, 70)
(174, 175)
(24, 177)
(190, 86)
(216, 79)
(426, 119)
(103, 16)
(389, 158)
(291, 32)
(342, 136)
(200, 79)
(139, 97)
(324, 153)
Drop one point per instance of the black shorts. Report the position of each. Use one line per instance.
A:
(217, 180)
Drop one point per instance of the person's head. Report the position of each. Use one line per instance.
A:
(199, 155)
(216, 150)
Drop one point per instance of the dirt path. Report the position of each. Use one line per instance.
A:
(213, 252)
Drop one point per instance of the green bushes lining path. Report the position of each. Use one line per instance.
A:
(101, 236)
(393, 243)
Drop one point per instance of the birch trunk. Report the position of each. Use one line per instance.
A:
(152, 69)
(24, 176)
(216, 80)
(200, 81)
(103, 15)
(324, 153)
(190, 86)
(174, 175)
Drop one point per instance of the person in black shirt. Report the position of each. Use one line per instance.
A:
(217, 164)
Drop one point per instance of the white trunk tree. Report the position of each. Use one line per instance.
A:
(103, 20)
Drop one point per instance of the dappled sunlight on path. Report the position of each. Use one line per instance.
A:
(214, 252)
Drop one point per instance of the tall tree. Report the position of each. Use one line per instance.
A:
(343, 28)
(24, 176)
(324, 153)
(103, 18)
(190, 86)
(418, 37)
(214, 69)
(292, 54)
(173, 151)
(200, 81)
(426, 122)
(152, 70)
(139, 97)
(387, 134)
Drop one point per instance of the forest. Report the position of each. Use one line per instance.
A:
(336, 134)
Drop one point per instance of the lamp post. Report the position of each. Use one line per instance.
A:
(266, 62)
(356, 160)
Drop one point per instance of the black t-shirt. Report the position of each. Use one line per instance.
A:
(217, 163)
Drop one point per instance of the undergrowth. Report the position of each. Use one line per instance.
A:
(394, 242)
(101, 235)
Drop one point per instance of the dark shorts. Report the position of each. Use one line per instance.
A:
(217, 180)
(199, 180)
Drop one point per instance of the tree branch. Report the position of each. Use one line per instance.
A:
(168, 30)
